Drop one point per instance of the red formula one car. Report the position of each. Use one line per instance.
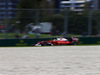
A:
(59, 41)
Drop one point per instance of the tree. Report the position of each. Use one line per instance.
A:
(96, 17)
(87, 7)
(26, 16)
(29, 16)
(77, 23)
(29, 4)
(57, 20)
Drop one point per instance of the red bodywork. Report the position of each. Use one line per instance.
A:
(59, 41)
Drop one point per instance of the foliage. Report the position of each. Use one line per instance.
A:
(29, 16)
(77, 23)
(96, 17)
(87, 7)
(57, 20)
(26, 16)
(29, 4)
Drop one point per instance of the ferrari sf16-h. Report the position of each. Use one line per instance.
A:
(59, 41)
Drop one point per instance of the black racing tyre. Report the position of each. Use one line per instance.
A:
(44, 44)
(49, 44)
(74, 43)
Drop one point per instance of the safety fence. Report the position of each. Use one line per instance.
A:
(55, 21)
(30, 42)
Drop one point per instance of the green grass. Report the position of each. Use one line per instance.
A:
(12, 35)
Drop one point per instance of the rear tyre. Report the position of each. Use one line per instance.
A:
(74, 43)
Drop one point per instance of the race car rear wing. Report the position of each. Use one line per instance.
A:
(75, 39)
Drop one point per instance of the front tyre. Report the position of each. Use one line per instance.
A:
(44, 44)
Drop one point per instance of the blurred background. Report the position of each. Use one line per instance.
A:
(49, 18)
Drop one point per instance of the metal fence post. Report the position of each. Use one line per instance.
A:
(66, 24)
(6, 18)
(37, 17)
(37, 23)
(90, 23)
